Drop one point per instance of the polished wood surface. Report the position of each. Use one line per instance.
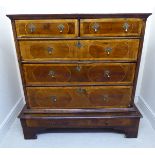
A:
(46, 28)
(121, 49)
(108, 73)
(111, 27)
(79, 97)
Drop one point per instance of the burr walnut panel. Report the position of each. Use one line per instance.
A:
(111, 27)
(121, 49)
(99, 73)
(47, 28)
(79, 97)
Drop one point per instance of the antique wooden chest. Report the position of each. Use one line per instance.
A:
(79, 70)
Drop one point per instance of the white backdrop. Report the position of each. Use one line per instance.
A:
(10, 83)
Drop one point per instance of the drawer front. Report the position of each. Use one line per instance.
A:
(121, 49)
(111, 27)
(48, 50)
(80, 122)
(98, 73)
(46, 28)
(79, 97)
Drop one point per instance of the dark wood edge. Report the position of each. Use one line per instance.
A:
(76, 84)
(77, 38)
(29, 116)
(76, 61)
(105, 110)
(80, 111)
(74, 39)
(75, 16)
(82, 116)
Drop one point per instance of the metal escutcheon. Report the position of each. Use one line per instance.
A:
(78, 44)
(50, 50)
(105, 98)
(78, 68)
(81, 90)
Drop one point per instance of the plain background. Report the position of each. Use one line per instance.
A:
(11, 94)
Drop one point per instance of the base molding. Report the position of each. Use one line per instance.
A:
(146, 110)
(124, 122)
(4, 127)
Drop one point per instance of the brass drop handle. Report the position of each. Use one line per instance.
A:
(95, 27)
(108, 50)
(105, 98)
(32, 27)
(126, 27)
(51, 73)
(107, 74)
(81, 90)
(61, 28)
(53, 98)
(50, 50)
(78, 68)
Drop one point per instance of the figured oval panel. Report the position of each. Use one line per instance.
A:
(111, 97)
(46, 74)
(109, 50)
(107, 73)
(48, 97)
(54, 51)
(46, 50)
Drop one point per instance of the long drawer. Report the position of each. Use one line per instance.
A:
(120, 49)
(79, 97)
(93, 73)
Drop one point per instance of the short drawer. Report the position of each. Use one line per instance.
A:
(113, 49)
(46, 28)
(111, 27)
(69, 74)
(79, 97)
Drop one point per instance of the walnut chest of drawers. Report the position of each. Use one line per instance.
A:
(79, 70)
